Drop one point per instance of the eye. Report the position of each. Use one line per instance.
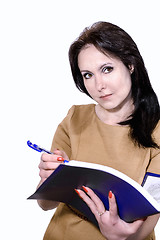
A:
(107, 69)
(87, 75)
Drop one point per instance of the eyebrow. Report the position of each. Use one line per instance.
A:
(98, 68)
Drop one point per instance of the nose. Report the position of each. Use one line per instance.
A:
(100, 83)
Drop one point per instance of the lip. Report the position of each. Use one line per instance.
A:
(106, 96)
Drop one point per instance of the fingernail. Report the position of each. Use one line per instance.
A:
(110, 194)
(60, 159)
(85, 189)
(78, 193)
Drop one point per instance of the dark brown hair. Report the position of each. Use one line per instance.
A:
(111, 39)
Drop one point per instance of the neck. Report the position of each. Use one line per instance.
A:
(114, 116)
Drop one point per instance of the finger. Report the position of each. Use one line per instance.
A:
(51, 157)
(90, 203)
(97, 201)
(57, 151)
(48, 165)
(113, 211)
(61, 153)
(42, 181)
(48, 157)
(87, 200)
(45, 174)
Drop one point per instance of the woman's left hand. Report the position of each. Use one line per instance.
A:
(110, 224)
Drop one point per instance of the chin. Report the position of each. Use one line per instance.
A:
(108, 107)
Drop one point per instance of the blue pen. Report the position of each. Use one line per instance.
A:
(40, 149)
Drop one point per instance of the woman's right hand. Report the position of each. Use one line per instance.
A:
(49, 162)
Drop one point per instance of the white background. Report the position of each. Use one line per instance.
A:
(37, 89)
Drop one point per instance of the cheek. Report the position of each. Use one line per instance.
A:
(126, 88)
(121, 86)
(128, 84)
(89, 86)
(125, 81)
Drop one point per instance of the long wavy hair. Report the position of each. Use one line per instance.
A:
(111, 39)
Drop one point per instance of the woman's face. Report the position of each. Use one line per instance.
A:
(107, 79)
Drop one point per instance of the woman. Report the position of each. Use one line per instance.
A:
(121, 131)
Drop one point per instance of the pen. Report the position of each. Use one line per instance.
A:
(40, 149)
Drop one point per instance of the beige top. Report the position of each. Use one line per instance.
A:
(84, 137)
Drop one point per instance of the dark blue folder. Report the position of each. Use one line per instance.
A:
(132, 205)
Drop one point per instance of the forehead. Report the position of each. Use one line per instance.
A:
(91, 56)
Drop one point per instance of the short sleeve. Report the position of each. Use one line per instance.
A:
(154, 165)
(61, 138)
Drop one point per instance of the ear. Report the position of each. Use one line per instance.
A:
(131, 68)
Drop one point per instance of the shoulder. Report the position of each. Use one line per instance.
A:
(79, 114)
(154, 165)
(77, 111)
(156, 137)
